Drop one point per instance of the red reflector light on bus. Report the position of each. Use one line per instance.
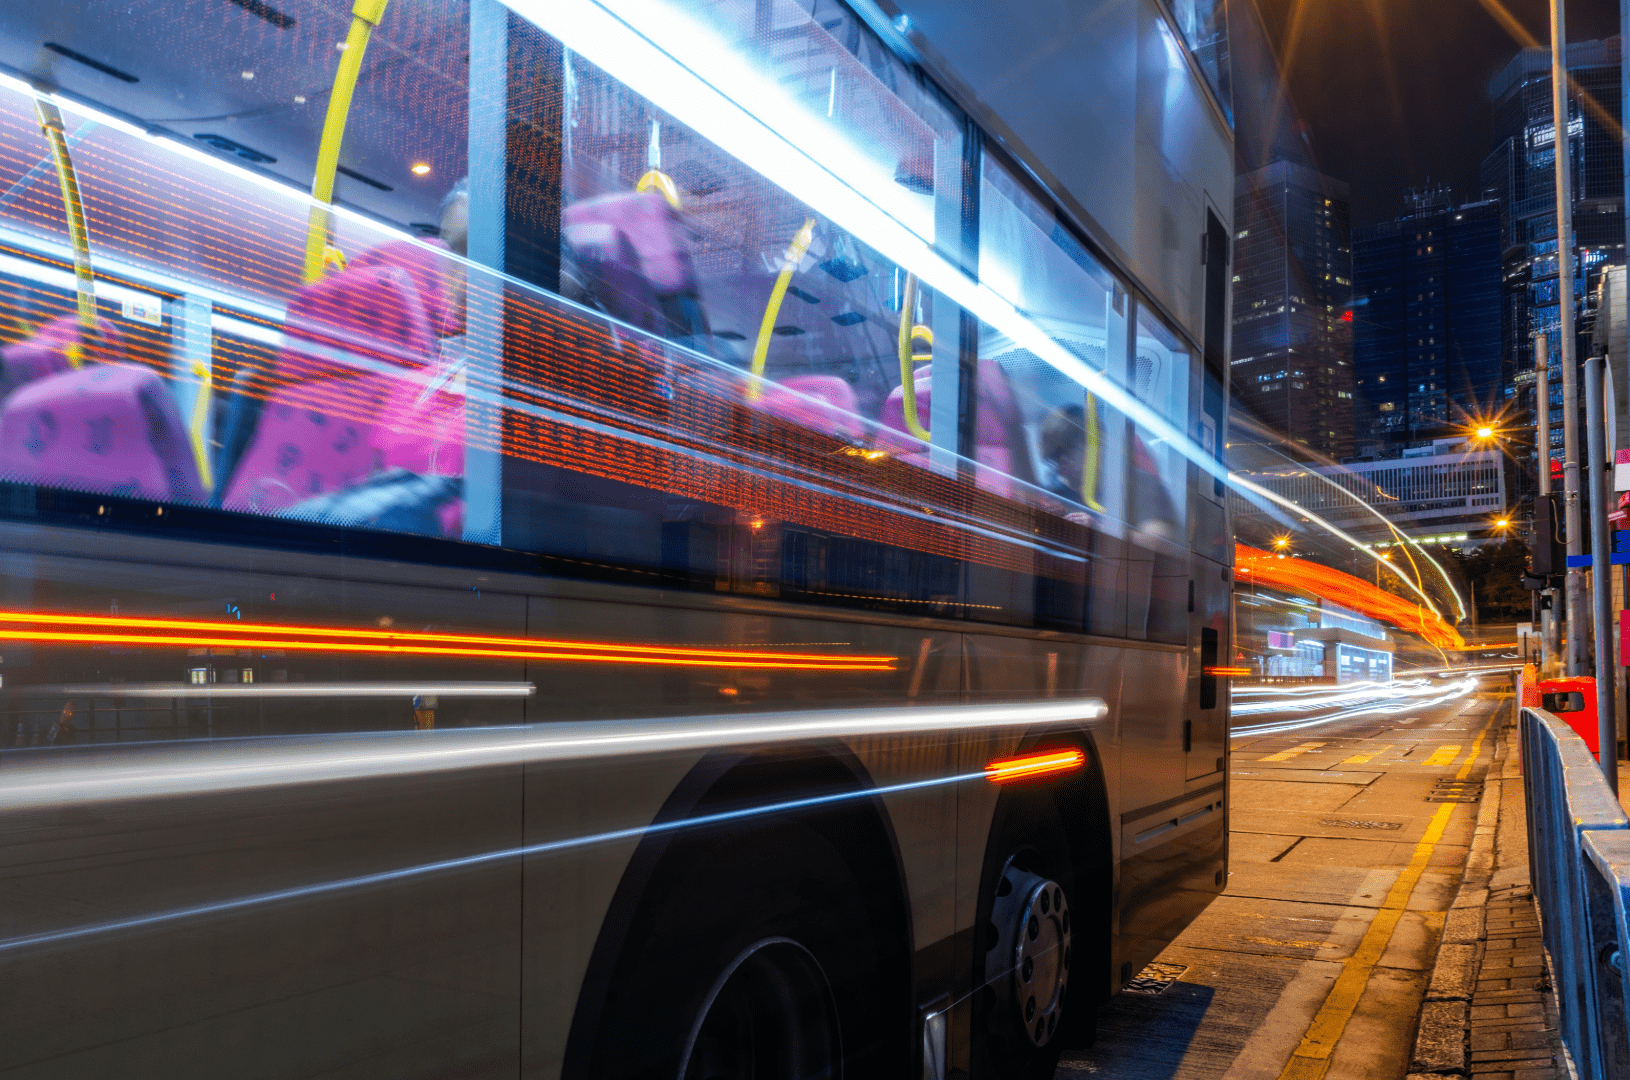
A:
(1034, 766)
(1226, 672)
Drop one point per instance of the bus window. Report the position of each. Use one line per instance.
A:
(1157, 488)
(1037, 422)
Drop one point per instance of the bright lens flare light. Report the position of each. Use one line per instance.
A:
(1485, 432)
(1034, 766)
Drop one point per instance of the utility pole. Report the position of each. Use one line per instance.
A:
(1601, 578)
(1550, 638)
(1575, 580)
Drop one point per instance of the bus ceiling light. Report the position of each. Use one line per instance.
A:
(420, 168)
(1016, 770)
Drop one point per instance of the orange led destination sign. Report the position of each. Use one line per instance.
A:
(77, 629)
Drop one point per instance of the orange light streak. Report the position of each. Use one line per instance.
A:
(1301, 575)
(1227, 672)
(1033, 766)
(132, 630)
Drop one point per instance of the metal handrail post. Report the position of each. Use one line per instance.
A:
(1601, 575)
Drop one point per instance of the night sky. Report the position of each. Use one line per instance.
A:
(1395, 92)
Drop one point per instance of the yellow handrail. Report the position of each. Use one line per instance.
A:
(1089, 458)
(366, 15)
(908, 377)
(761, 348)
(84, 280)
(659, 181)
(199, 420)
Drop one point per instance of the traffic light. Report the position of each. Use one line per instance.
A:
(1547, 554)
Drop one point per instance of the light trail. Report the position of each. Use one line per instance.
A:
(49, 778)
(444, 866)
(1378, 703)
(85, 629)
(289, 690)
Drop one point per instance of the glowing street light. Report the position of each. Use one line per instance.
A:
(1485, 432)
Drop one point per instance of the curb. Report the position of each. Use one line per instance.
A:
(1441, 1039)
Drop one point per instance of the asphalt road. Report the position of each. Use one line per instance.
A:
(1341, 871)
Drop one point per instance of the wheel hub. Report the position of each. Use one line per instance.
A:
(1031, 917)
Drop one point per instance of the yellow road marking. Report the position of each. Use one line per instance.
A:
(1312, 1058)
(1286, 755)
(1363, 759)
(1443, 755)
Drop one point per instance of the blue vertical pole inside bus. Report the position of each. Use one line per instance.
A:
(484, 315)
(945, 386)
(1120, 340)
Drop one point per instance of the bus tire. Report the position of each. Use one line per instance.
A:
(1026, 941)
(751, 954)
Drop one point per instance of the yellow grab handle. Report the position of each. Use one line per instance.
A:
(365, 16)
(1089, 458)
(761, 348)
(659, 181)
(84, 280)
(200, 416)
(908, 377)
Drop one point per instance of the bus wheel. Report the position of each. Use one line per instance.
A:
(1031, 955)
(753, 953)
(769, 1016)
(1026, 951)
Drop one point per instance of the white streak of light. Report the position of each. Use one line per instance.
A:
(172, 769)
(1459, 690)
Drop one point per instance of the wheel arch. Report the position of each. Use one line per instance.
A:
(842, 795)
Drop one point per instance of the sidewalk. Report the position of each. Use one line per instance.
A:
(1490, 1011)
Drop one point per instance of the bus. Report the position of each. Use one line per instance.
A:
(605, 538)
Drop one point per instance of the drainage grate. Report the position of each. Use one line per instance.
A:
(1352, 823)
(1456, 791)
(1155, 978)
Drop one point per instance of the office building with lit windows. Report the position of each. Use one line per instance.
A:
(1449, 492)
(1291, 362)
(1520, 173)
(1427, 358)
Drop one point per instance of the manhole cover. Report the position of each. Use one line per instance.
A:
(1350, 823)
(1155, 978)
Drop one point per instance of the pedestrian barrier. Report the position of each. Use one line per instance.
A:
(1579, 863)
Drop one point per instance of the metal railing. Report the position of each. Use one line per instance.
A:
(1579, 863)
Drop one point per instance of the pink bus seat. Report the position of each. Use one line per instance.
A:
(369, 314)
(300, 449)
(46, 353)
(427, 262)
(108, 428)
(823, 403)
(997, 411)
(310, 438)
(421, 430)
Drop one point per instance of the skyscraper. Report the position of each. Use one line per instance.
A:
(1520, 173)
(1292, 346)
(1426, 322)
